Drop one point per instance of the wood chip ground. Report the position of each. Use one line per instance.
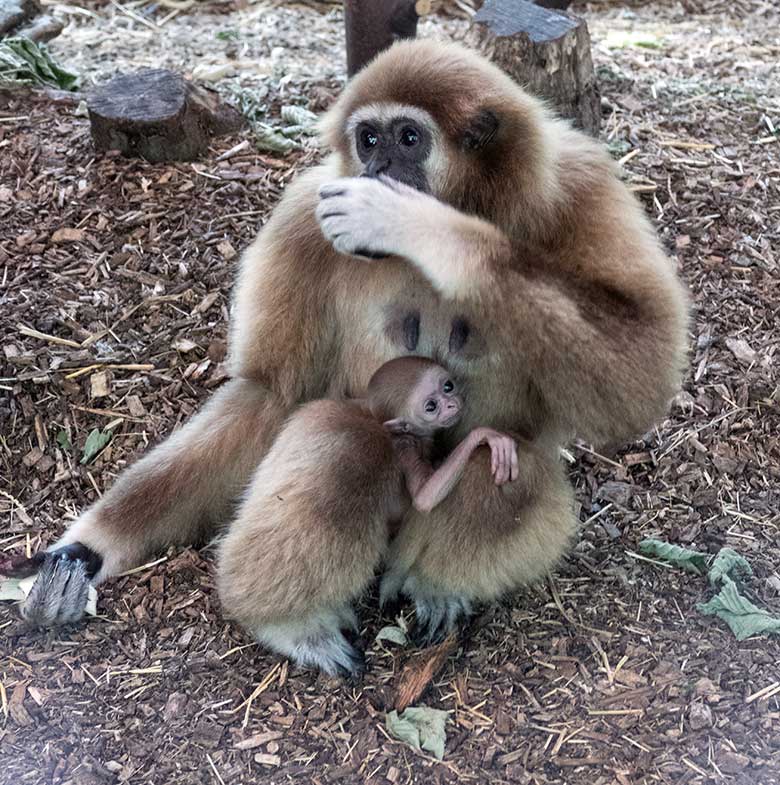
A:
(115, 278)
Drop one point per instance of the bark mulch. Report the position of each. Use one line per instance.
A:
(114, 293)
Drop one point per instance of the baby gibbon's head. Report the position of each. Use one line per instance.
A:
(414, 395)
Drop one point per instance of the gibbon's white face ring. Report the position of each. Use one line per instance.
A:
(383, 114)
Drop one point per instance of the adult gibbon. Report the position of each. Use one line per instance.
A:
(456, 219)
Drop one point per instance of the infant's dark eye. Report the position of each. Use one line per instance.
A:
(431, 405)
(448, 386)
(409, 136)
(368, 138)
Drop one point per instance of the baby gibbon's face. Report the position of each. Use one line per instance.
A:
(435, 403)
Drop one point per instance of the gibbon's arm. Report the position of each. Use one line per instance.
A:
(281, 328)
(458, 253)
(429, 487)
(598, 319)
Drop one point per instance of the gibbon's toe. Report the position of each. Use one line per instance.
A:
(332, 654)
(436, 616)
(59, 594)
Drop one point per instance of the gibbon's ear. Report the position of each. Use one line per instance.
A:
(481, 130)
(397, 426)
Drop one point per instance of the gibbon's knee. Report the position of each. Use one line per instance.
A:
(483, 540)
(178, 491)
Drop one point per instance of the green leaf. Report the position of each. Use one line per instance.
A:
(23, 61)
(297, 115)
(728, 564)
(95, 442)
(63, 440)
(744, 618)
(690, 561)
(269, 139)
(393, 634)
(228, 35)
(421, 727)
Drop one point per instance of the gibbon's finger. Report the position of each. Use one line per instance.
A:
(515, 463)
(330, 207)
(497, 460)
(331, 189)
(501, 475)
(502, 470)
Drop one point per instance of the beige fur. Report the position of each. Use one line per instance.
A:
(576, 324)
(313, 526)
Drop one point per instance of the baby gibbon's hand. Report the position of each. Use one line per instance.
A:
(407, 444)
(503, 454)
(366, 217)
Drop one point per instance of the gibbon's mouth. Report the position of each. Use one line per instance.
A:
(415, 180)
(450, 421)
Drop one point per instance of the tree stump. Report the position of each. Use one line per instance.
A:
(16, 12)
(158, 115)
(373, 25)
(545, 50)
(41, 29)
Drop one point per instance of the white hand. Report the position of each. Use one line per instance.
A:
(365, 216)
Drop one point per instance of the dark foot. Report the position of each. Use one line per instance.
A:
(436, 617)
(60, 592)
(332, 654)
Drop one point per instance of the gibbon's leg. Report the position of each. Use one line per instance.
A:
(481, 541)
(174, 495)
(288, 584)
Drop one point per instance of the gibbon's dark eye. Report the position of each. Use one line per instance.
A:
(431, 406)
(448, 386)
(409, 136)
(368, 138)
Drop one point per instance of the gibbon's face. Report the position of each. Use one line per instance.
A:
(434, 403)
(395, 141)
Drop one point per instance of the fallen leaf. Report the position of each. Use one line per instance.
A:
(728, 563)
(421, 727)
(393, 634)
(95, 442)
(744, 618)
(688, 560)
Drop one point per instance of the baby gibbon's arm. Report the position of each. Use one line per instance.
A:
(429, 487)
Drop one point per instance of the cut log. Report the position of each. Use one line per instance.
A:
(41, 29)
(158, 115)
(545, 50)
(373, 25)
(16, 12)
